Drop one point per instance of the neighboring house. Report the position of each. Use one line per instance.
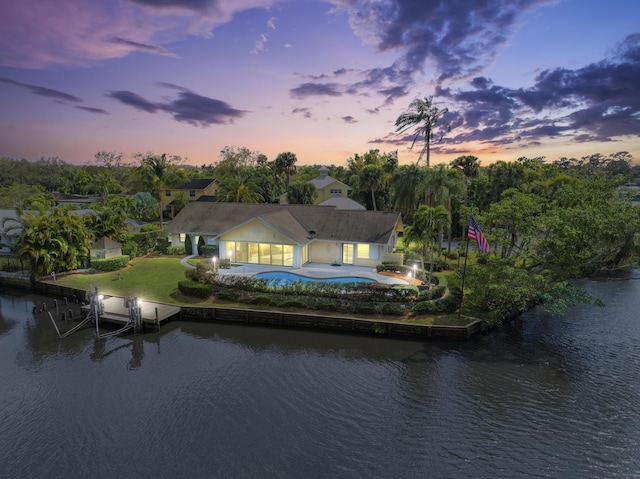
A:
(326, 187)
(288, 235)
(134, 226)
(105, 248)
(192, 190)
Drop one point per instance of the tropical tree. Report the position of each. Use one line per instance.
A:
(54, 241)
(301, 193)
(406, 183)
(423, 115)
(240, 188)
(285, 164)
(160, 171)
(426, 222)
(372, 179)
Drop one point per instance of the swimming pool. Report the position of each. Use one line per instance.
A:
(283, 277)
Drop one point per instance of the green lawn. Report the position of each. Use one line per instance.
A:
(152, 278)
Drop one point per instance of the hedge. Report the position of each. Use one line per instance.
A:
(195, 290)
(110, 264)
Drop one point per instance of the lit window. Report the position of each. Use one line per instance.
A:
(363, 250)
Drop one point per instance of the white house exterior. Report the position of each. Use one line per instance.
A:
(288, 235)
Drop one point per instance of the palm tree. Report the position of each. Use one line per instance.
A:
(406, 185)
(426, 222)
(372, 179)
(155, 168)
(285, 163)
(423, 115)
(240, 189)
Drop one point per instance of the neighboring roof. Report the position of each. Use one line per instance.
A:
(293, 221)
(196, 184)
(324, 180)
(78, 199)
(342, 203)
(106, 243)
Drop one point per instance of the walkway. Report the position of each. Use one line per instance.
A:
(312, 270)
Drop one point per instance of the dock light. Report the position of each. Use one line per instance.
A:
(214, 263)
(101, 297)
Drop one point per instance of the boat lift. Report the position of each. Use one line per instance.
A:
(96, 308)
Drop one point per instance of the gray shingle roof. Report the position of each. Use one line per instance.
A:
(293, 221)
(196, 184)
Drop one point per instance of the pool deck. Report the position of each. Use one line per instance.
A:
(312, 270)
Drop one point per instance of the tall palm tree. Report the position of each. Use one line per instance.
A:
(155, 169)
(372, 179)
(426, 222)
(423, 115)
(406, 182)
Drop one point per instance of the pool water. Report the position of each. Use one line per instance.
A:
(283, 277)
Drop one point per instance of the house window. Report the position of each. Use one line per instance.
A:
(192, 193)
(260, 253)
(167, 193)
(335, 191)
(363, 250)
(183, 237)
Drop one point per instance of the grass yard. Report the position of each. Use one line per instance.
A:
(152, 278)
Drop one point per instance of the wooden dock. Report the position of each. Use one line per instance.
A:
(115, 310)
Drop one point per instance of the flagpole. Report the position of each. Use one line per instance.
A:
(464, 269)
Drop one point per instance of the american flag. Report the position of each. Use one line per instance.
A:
(475, 233)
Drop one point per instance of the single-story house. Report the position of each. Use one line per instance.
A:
(105, 248)
(288, 235)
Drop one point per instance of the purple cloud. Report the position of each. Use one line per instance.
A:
(600, 101)
(315, 89)
(42, 91)
(188, 107)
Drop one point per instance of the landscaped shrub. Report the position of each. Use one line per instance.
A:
(438, 292)
(209, 251)
(292, 303)
(131, 249)
(110, 264)
(326, 305)
(227, 295)
(188, 245)
(450, 303)
(162, 244)
(194, 289)
(363, 308)
(260, 299)
(176, 250)
(426, 307)
(392, 309)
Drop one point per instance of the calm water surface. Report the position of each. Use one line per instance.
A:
(542, 397)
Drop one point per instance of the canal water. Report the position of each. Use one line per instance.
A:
(541, 397)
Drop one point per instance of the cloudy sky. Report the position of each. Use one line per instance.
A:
(324, 79)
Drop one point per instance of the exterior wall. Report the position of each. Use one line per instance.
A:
(105, 253)
(325, 252)
(325, 193)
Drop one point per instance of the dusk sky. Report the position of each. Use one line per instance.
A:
(324, 79)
